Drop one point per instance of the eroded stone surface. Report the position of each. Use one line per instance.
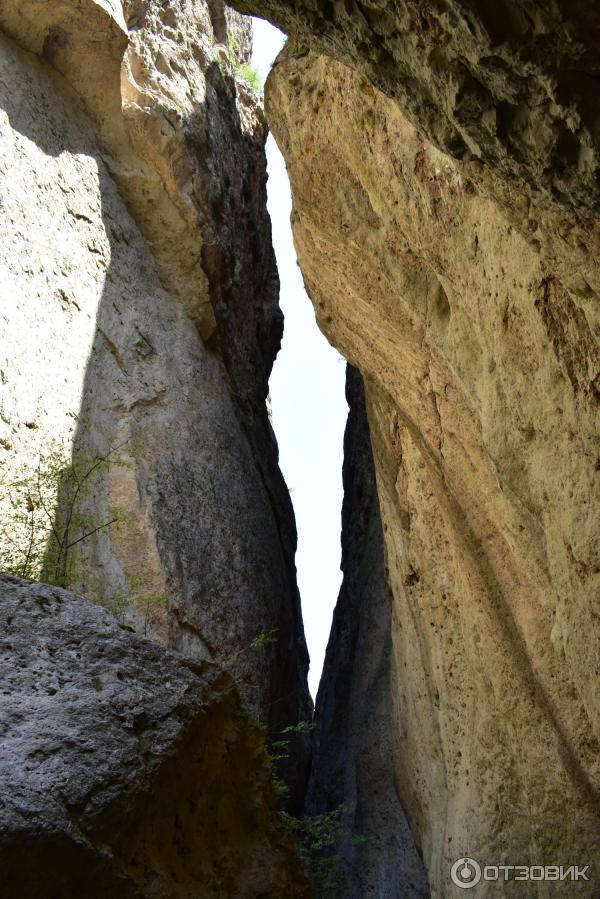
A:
(471, 309)
(140, 311)
(513, 84)
(126, 770)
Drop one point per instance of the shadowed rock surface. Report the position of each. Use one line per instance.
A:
(125, 770)
(140, 301)
(352, 762)
(511, 83)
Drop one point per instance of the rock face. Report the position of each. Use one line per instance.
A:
(140, 312)
(469, 302)
(513, 84)
(445, 215)
(352, 760)
(125, 771)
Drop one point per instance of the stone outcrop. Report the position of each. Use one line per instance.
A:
(125, 770)
(510, 83)
(469, 302)
(352, 760)
(140, 312)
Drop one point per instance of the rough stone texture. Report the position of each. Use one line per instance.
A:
(126, 771)
(352, 761)
(148, 74)
(511, 82)
(139, 309)
(471, 309)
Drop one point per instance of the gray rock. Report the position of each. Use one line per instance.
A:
(139, 296)
(125, 769)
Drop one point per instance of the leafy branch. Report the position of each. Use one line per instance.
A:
(243, 69)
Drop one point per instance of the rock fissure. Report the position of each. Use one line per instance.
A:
(443, 160)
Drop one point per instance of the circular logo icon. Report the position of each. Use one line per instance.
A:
(466, 873)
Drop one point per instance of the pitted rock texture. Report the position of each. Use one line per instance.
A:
(511, 83)
(125, 770)
(471, 309)
(152, 76)
(139, 297)
(352, 761)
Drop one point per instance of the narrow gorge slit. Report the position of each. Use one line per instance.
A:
(308, 407)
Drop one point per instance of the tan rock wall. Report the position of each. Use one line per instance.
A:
(511, 83)
(462, 303)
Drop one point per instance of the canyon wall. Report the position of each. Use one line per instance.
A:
(479, 350)
(444, 167)
(140, 320)
(445, 193)
(511, 83)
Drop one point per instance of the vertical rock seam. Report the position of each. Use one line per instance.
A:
(352, 762)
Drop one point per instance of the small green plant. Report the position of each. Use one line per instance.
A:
(250, 75)
(318, 840)
(242, 675)
(280, 751)
(243, 69)
(234, 47)
(119, 601)
(136, 595)
(263, 638)
(324, 842)
(49, 522)
(47, 519)
(149, 603)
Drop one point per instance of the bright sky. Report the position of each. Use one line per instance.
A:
(309, 407)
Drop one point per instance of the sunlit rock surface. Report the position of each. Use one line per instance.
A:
(511, 83)
(470, 304)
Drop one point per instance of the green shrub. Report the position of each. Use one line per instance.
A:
(322, 841)
(243, 69)
(47, 522)
(46, 519)
(250, 75)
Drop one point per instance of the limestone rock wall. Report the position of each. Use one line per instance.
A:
(510, 83)
(139, 303)
(469, 303)
(352, 761)
(125, 770)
